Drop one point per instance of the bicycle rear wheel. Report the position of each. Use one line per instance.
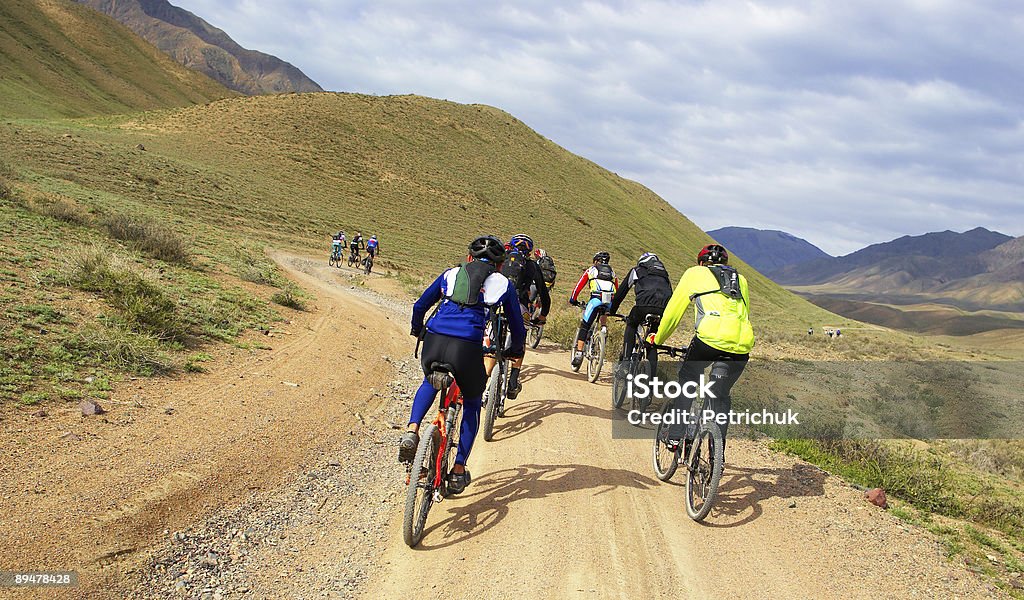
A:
(420, 494)
(596, 357)
(619, 383)
(704, 464)
(495, 387)
(666, 460)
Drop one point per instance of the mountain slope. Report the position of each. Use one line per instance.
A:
(767, 250)
(61, 59)
(426, 175)
(198, 45)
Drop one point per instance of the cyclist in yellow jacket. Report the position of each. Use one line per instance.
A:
(724, 335)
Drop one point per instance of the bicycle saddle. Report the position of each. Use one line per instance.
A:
(440, 375)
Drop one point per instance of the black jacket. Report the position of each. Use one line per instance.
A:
(652, 286)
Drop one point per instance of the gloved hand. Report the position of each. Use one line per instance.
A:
(415, 331)
(650, 339)
(541, 319)
(574, 302)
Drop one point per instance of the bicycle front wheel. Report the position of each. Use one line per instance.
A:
(705, 464)
(596, 357)
(420, 494)
(535, 332)
(495, 384)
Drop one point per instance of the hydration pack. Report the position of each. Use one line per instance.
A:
(513, 267)
(605, 272)
(547, 269)
(469, 281)
(728, 282)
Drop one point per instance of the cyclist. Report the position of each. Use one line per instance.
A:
(650, 282)
(337, 243)
(373, 246)
(454, 335)
(356, 244)
(724, 334)
(603, 285)
(523, 273)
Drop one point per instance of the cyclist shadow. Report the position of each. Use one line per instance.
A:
(530, 372)
(497, 491)
(744, 489)
(525, 416)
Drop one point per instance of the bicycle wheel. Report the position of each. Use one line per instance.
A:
(420, 494)
(619, 383)
(495, 385)
(665, 460)
(705, 464)
(535, 332)
(596, 357)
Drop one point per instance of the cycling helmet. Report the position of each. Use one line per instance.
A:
(487, 247)
(647, 257)
(713, 254)
(373, 237)
(522, 242)
(602, 257)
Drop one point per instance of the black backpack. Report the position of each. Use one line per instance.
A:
(513, 267)
(547, 269)
(605, 272)
(728, 282)
(652, 287)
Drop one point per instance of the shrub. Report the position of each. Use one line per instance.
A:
(149, 236)
(289, 297)
(63, 209)
(143, 305)
(125, 349)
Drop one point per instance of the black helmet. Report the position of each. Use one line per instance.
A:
(647, 257)
(602, 257)
(487, 247)
(713, 254)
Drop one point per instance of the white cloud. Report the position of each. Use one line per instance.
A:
(844, 123)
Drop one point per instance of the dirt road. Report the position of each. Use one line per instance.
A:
(557, 508)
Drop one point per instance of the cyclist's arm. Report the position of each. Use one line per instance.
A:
(621, 291)
(510, 301)
(579, 286)
(676, 307)
(542, 290)
(429, 298)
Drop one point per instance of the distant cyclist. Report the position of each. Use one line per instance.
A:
(523, 273)
(724, 335)
(337, 244)
(650, 282)
(602, 284)
(454, 335)
(356, 244)
(373, 246)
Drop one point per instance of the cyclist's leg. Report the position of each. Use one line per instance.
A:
(467, 358)
(629, 337)
(433, 348)
(724, 374)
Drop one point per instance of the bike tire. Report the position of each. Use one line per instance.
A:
(596, 358)
(420, 494)
(619, 383)
(494, 385)
(535, 334)
(665, 462)
(704, 470)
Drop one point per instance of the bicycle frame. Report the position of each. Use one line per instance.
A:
(445, 420)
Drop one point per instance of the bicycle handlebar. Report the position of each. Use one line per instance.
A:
(670, 350)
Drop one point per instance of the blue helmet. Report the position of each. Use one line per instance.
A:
(521, 242)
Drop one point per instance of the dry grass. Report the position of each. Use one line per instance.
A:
(150, 236)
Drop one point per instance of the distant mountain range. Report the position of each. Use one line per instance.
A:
(767, 250)
(198, 45)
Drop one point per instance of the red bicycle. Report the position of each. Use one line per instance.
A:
(435, 456)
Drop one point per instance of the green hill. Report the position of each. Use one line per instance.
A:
(426, 175)
(62, 59)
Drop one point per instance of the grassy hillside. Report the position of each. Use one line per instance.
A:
(63, 59)
(425, 175)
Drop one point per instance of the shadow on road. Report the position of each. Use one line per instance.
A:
(493, 494)
(744, 489)
(521, 417)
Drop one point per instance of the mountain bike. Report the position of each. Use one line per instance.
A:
(335, 260)
(495, 393)
(435, 456)
(635, 364)
(353, 257)
(368, 264)
(701, 451)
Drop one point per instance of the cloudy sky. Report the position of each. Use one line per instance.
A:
(846, 123)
